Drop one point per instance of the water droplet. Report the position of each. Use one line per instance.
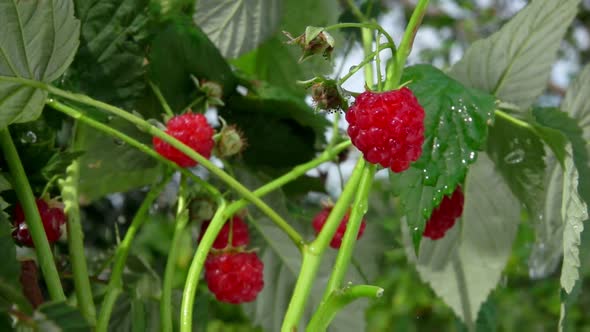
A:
(121, 219)
(28, 138)
(514, 157)
(471, 156)
(118, 141)
(415, 229)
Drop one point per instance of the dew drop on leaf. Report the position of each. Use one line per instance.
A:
(28, 138)
(514, 157)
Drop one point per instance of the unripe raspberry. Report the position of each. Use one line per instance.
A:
(52, 217)
(231, 142)
(320, 219)
(387, 127)
(444, 216)
(192, 130)
(239, 229)
(234, 277)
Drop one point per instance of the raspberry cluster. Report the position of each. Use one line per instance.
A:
(320, 219)
(232, 274)
(52, 216)
(387, 127)
(192, 130)
(445, 215)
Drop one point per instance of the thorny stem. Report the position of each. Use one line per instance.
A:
(115, 286)
(179, 229)
(25, 196)
(69, 194)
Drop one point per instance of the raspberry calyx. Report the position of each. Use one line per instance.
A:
(387, 127)
(238, 229)
(320, 219)
(191, 129)
(444, 216)
(234, 277)
(52, 217)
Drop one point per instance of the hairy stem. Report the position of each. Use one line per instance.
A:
(115, 286)
(69, 194)
(179, 229)
(24, 193)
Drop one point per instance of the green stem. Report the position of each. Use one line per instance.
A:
(365, 61)
(179, 230)
(80, 116)
(69, 194)
(194, 272)
(367, 36)
(24, 193)
(115, 286)
(161, 99)
(359, 208)
(366, 26)
(154, 131)
(395, 71)
(337, 300)
(312, 254)
(516, 121)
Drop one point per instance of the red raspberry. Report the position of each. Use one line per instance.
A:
(445, 215)
(387, 127)
(192, 130)
(240, 235)
(320, 219)
(52, 217)
(234, 277)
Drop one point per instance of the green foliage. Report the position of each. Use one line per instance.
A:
(489, 224)
(56, 316)
(237, 27)
(514, 63)
(110, 63)
(272, 119)
(39, 42)
(455, 128)
(110, 165)
(10, 288)
(518, 155)
(180, 50)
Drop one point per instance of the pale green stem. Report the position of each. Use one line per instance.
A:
(161, 99)
(312, 253)
(337, 300)
(25, 196)
(179, 230)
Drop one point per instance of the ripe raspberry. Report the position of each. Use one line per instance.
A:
(192, 130)
(387, 127)
(240, 235)
(445, 215)
(234, 277)
(320, 219)
(52, 216)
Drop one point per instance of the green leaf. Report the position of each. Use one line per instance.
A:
(38, 42)
(59, 162)
(4, 183)
(576, 101)
(518, 155)
(455, 128)
(282, 262)
(573, 213)
(180, 50)
(280, 128)
(10, 287)
(109, 65)
(561, 121)
(109, 165)
(515, 62)
(489, 224)
(237, 27)
(59, 316)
